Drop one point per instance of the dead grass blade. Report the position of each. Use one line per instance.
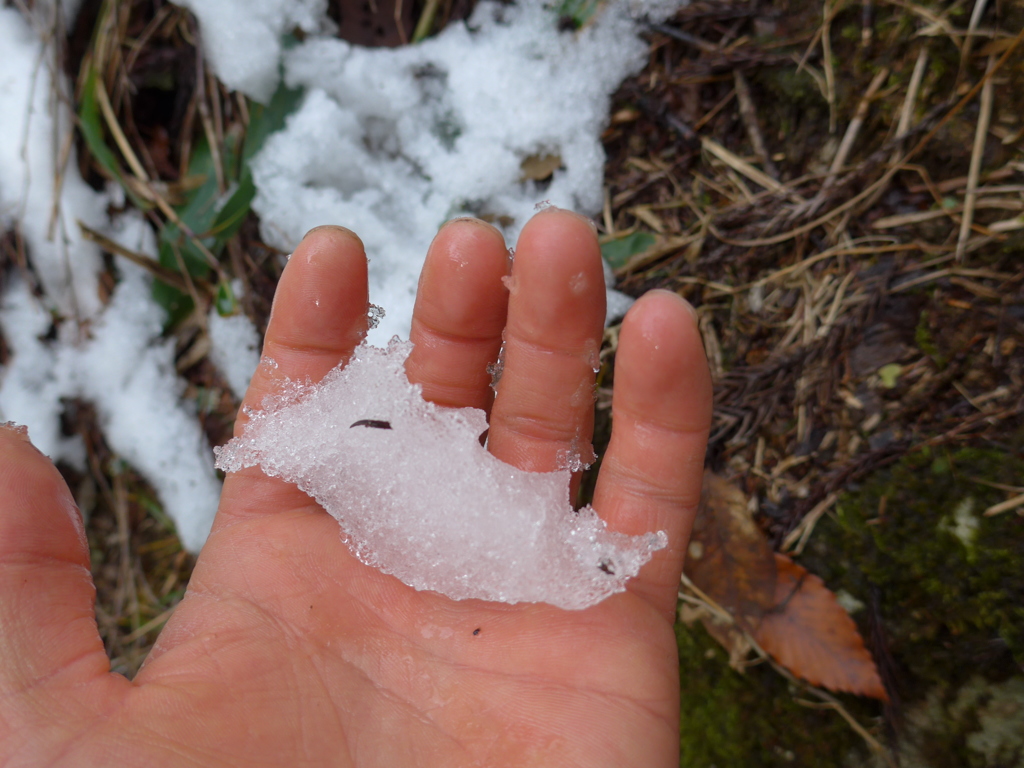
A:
(978, 150)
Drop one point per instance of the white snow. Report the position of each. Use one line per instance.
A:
(419, 497)
(113, 356)
(393, 142)
(234, 349)
(34, 123)
(127, 372)
(242, 38)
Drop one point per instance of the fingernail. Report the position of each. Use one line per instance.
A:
(580, 216)
(334, 228)
(689, 308)
(471, 220)
(686, 305)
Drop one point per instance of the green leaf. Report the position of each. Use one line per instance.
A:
(225, 301)
(265, 120)
(890, 374)
(232, 214)
(211, 217)
(176, 304)
(619, 251)
(579, 11)
(206, 213)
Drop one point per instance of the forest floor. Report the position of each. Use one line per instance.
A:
(839, 189)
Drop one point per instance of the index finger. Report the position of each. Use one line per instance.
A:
(317, 320)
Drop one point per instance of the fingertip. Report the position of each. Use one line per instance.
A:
(464, 222)
(559, 279)
(661, 351)
(459, 315)
(658, 306)
(465, 261)
(38, 515)
(321, 299)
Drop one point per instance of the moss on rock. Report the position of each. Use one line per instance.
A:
(944, 587)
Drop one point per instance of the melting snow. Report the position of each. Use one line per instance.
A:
(419, 497)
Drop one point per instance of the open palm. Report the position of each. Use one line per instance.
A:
(286, 650)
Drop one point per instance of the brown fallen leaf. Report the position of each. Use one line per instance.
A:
(539, 167)
(729, 557)
(813, 636)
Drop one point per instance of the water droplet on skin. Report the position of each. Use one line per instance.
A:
(268, 364)
(578, 283)
(543, 205)
(593, 356)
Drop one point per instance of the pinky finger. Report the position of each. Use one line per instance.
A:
(651, 476)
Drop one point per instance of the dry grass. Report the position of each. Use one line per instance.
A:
(859, 295)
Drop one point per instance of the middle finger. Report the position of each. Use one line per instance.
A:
(544, 407)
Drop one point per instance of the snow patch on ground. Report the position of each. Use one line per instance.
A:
(234, 349)
(113, 356)
(393, 142)
(242, 38)
(127, 372)
(32, 135)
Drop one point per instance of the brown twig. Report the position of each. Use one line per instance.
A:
(977, 153)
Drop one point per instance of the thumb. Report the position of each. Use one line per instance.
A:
(48, 628)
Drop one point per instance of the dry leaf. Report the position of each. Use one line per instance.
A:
(810, 634)
(539, 167)
(729, 557)
(788, 611)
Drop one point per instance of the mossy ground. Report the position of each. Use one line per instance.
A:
(751, 719)
(942, 585)
(943, 593)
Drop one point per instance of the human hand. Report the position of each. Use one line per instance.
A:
(286, 650)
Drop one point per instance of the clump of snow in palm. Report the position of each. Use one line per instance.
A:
(419, 497)
(392, 142)
(234, 349)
